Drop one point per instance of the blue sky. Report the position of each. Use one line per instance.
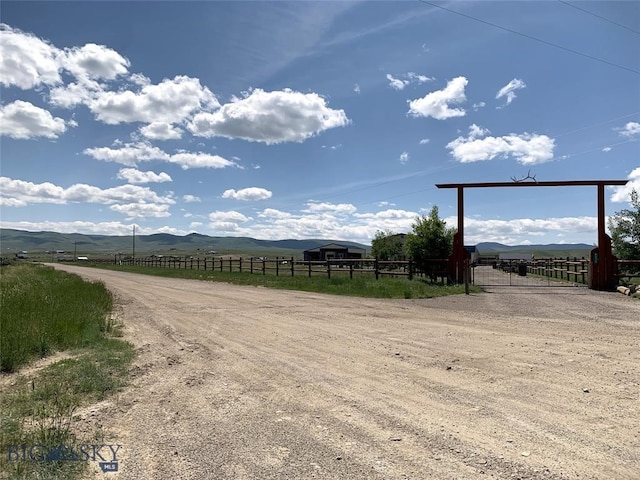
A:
(327, 120)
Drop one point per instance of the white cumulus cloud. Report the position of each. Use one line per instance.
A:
(227, 221)
(200, 160)
(437, 104)
(398, 83)
(27, 61)
(247, 194)
(630, 130)
(170, 101)
(27, 192)
(509, 90)
(24, 120)
(270, 117)
(133, 175)
(161, 131)
(94, 62)
(190, 198)
(334, 208)
(131, 154)
(526, 148)
(623, 193)
(142, 210)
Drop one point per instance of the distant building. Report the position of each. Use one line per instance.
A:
(333, 251)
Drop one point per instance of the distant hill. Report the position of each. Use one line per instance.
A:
(539, 250)
(13, 241)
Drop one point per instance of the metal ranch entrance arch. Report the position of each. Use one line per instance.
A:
(602, 265)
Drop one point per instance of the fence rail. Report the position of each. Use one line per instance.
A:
(436, 272)
(572, 270)
(628, 270)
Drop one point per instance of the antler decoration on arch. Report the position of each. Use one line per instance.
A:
(523, 179)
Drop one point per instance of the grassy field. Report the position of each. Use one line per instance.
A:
(338, 284)
(46, 311)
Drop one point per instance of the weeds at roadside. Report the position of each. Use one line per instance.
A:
(38, 425)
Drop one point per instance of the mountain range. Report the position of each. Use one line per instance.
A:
(13, 241)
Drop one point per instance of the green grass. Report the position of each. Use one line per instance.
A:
(362, 285)
(44, 311)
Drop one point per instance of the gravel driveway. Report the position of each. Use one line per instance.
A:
(251, 383)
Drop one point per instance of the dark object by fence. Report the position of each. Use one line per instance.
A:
(522, 269)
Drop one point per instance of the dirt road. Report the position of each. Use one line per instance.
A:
(251, 383)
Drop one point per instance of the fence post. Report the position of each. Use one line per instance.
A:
(375, 266)
(264, 269)
(292, 269)
(309, 267)
(240, 265)
(251, 264)
(466, 277)
(328, 268)
(410, 269)
(351, 270)
(277, 267)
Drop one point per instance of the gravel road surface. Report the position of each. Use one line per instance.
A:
(237, 382)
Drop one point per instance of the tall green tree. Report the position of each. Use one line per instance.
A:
(625, 230)
(387, 245)
(430, 239)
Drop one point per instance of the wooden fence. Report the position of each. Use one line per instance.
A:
(628, 270)
(573, 270)
(568, 269)
(437, 269)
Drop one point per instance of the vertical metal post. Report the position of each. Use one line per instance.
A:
(466, 277)
(461, 252)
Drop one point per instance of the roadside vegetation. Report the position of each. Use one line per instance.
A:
(45, 312)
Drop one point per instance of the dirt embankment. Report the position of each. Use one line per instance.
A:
(251, 383)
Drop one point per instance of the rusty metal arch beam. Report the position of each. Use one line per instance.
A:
(603, 263)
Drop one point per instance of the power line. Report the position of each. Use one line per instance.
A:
(599, 16)
(599, 124)
(536, 39)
